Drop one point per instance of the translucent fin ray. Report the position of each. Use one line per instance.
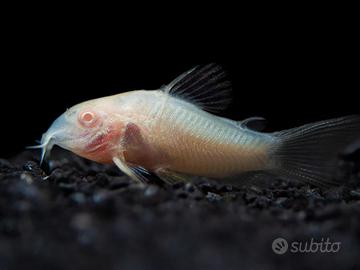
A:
(255, 123)
(205, 86)
(135, 173)
(310, 153)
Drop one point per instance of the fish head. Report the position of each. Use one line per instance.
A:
(89, 129)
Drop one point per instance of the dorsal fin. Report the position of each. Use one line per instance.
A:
(205, 86)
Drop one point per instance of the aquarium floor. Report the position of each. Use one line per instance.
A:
(76, 214)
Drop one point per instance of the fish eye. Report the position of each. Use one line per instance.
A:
(87, 119)
(87, 116)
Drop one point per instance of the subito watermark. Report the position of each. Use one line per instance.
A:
(324, 245)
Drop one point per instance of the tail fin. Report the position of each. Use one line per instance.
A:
(310, 153)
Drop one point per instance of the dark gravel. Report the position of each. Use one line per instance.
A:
(75, 214)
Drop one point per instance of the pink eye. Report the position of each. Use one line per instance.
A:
(87, 119)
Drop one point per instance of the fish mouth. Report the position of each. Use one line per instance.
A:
(46, 145)
(48, 141)
(59, 133)
(68, 141)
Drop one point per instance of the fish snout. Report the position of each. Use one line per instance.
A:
(60, 133)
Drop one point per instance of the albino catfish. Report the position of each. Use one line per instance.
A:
(171, 133)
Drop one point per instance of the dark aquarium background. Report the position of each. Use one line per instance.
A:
(290, 76)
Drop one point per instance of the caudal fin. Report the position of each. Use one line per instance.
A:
(310, 153)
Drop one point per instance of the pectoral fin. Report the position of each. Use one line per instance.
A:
(134, 172)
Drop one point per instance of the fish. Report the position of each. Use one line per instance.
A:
(174, 133)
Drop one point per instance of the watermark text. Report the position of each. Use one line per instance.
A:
(324, 245)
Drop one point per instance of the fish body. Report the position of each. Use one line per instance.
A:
(183, 138)
(170, 133)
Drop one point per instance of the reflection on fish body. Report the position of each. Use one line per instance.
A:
(172, 133)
